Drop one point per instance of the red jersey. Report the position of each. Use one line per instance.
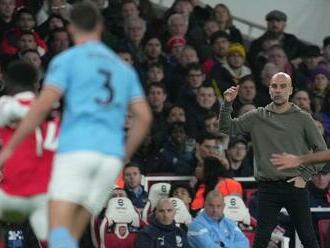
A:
(27, 171)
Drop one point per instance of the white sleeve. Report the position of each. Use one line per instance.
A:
(11, 110)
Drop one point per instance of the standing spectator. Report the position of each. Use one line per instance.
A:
(212, 229)
(162, 231)
(279, 127)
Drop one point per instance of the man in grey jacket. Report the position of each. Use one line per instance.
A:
(279, 127)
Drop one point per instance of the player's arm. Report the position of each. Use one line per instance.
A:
(37, 113)
(286, 161)
(142, 118)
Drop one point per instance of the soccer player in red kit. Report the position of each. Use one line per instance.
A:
(24, 177)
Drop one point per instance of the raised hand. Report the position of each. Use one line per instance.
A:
(230, 94)
(285, 161)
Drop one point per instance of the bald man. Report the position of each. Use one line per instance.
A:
(212, 230)
(279, 127)
(162, 231)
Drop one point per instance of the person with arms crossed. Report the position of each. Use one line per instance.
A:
(98, 88)
(278, 127)
(25, 176)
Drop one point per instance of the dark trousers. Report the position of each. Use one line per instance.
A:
(272, 197)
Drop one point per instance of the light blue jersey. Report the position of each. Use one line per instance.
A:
(97, 87)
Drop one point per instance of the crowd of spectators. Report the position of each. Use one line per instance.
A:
(186, 57)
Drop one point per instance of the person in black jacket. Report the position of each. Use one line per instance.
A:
(162, 231)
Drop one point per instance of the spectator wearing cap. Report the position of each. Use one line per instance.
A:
(239, 164)
(236, 55)
(175, 47)
(320, 78)
(276, 24)
(228, 74)
(219, 42)
(311, 58)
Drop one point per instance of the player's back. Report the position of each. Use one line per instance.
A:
(97, 87)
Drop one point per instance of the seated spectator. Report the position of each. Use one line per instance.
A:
(319, 194)
(236, 55)
(319, 123)
(175, 46)
(49, 7)
(162, 231)
(276, 25)
(54, 22)
(320, 85)
(311, 58)
(223, 17)
(183, 191)
(219, 42)
(211, 123)
(175, 113)
(246, 94)
(212, 229)
(326, 51)
(173, 156)
(246, 108)
(267, 73)
(302, 99)
(229, 73)
(154, 73)
(133, 187)
(206, 101)
(194, 80)
(278, 56)
(7, 9)
(211, 175)
(325, 114)
(239, 164)
(157, 95)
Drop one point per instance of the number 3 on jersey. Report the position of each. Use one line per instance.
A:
(107, 86)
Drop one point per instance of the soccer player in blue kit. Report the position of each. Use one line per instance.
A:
(98, 88)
